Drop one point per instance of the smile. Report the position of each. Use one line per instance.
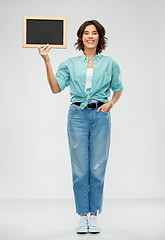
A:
(90, 41)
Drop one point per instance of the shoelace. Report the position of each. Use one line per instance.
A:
(93, 222)
(83, 222)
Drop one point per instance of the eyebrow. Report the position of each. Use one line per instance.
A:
(92, 31)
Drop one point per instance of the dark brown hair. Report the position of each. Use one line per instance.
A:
(101, 31)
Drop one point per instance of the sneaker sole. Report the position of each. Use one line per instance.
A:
(82, 231)
(94, 230)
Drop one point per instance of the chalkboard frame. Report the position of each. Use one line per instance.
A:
(27, 45)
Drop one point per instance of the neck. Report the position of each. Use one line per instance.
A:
(90, 53)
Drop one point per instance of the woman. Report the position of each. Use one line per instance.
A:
(90, 77)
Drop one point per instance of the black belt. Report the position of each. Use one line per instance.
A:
(90, 105)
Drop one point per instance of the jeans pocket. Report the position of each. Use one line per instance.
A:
(104, 112)
(73, 108)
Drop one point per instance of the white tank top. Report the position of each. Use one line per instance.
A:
(89, 78)
(89, 81)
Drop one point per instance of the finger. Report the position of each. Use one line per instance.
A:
(102, 108)
(99, 109)
(47, 50)
(43, 50)
(41, 47)
(105, 110)
(45, 46)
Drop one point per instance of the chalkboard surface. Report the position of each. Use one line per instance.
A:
(39, 31)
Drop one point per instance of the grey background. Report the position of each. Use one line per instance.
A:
(34, 155)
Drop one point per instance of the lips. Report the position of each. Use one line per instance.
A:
(90, 41)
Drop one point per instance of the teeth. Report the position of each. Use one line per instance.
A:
(90, 41)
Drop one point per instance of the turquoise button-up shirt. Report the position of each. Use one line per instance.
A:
(106, 76)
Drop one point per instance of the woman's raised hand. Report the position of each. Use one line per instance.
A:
(43, 51)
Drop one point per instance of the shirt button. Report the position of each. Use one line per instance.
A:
(83, 83)
(84, 71)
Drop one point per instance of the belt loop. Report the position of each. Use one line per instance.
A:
(97, 104)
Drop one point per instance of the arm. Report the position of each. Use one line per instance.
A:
(43, 51)
(116, 86)
(107, 106)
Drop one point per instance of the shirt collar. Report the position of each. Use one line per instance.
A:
(84, 57)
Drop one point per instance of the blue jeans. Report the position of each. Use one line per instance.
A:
(89, 142)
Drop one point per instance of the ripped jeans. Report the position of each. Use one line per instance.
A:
(89, 141)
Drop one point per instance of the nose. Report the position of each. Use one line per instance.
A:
(90, 35)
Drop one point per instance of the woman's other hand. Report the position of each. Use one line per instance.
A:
(106, 107)
(43, 51)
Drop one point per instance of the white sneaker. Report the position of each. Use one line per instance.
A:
(83, 225)
(92, 224)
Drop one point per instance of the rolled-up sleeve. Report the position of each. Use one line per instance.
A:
(116, 79)
(63, 76)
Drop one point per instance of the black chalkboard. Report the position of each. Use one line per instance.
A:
(39, 31)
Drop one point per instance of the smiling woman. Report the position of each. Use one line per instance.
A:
(90, 76)
(97, 30)
(90, 37)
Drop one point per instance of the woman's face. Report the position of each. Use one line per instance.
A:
(90, 37)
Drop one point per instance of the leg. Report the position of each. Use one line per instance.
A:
(78, 137)
(98, 154)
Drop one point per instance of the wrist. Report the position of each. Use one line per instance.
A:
(111, 103)
(47, 61)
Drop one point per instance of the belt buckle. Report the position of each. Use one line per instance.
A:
(88, 107)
